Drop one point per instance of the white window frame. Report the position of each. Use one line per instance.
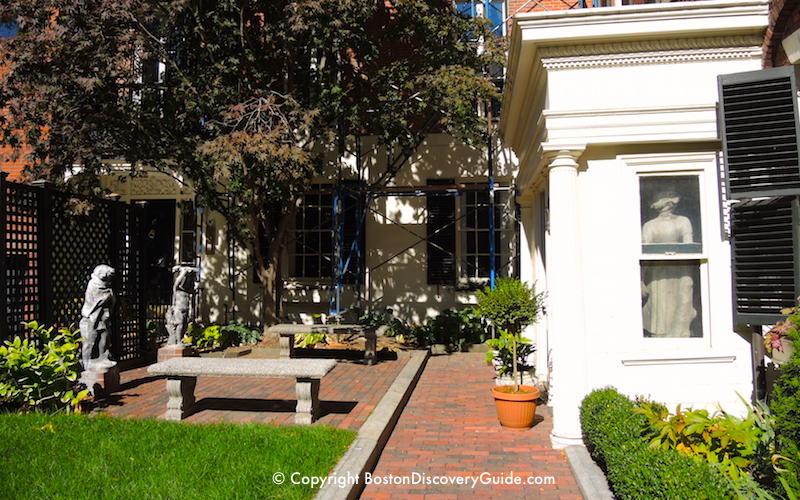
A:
(462, 280)
(673, 165)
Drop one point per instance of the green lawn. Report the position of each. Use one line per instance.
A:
(73, 456)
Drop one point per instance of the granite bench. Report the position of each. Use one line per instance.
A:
(182, 376)
(288, 331)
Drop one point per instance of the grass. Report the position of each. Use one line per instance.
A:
(74, 456)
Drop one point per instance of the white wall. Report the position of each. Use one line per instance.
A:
(400, 284)
(610, 94)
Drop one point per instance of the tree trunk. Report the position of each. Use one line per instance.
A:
(267, 265)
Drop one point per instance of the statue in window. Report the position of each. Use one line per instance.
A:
(667, 287)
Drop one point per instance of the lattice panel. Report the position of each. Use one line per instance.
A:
(22, 256)
(130, 340)
(53, 242)
(80, 241)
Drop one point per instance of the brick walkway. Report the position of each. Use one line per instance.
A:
(347, 396)
(450, 428)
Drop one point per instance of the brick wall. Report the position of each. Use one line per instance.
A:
(784, 19)
(8, 164)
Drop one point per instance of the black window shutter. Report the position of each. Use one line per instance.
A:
(441, 232)
(759, 129)
(764, 236)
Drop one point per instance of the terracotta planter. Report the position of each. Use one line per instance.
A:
(516, 411)
(782, 357)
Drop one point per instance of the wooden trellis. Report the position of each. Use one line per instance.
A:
(51, 241)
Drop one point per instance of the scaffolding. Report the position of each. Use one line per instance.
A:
(346, 258)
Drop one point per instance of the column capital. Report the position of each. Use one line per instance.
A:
(566, 156)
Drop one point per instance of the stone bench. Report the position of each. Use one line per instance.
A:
(288, 331)
(182, 376)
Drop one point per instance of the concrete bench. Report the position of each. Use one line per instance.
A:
(182, 376)
(288, 331)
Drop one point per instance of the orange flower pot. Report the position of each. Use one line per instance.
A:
(516, 411)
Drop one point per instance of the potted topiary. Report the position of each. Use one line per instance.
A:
(511, 306)
(499, 357)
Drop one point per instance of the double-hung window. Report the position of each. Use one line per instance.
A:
(312, 250)
(672, 255)
(475, 234)
(459, 234)
(312, 255)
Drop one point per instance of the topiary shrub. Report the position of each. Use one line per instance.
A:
(613, 433)
(510, 306)
(608, 422)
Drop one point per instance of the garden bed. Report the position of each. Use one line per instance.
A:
(73, 456)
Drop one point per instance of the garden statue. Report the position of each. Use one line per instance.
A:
(179, 314)
(95, 319)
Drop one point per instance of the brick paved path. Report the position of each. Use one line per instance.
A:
(348, 395)
(449, 427)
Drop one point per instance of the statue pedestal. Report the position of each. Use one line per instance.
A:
(175, 351)
(101, 382)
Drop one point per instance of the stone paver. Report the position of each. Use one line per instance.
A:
(347, 396)
(449, 428)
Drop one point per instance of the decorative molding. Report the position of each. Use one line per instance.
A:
(144, 185)
(650, 52)
(679, 361)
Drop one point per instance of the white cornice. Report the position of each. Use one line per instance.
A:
(628, 35)
(650, 52)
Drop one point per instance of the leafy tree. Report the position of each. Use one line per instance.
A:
(249, 96)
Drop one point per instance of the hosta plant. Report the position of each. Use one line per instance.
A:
(41, 372)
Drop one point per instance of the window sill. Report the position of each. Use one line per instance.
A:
(699, 360)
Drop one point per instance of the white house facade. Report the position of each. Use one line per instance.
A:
(613, 115)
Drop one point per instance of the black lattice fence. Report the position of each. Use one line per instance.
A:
(51, 243)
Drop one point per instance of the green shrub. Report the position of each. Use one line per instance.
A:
(719, 439)
(501, 352)
(241, 335)
(511, 306)
(608, 421)
(309, 339)
(209, 337)
(220, 337)
(613, 434)
(41, 373)
(785, 406)
(455, 328)
(395, 326)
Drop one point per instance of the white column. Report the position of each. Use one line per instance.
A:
(565, 301)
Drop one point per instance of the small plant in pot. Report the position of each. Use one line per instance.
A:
(512, 306)
(500, 357)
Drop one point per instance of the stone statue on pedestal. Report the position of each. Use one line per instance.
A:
(96, 319)
(179, 315)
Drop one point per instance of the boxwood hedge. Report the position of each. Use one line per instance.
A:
(613, 435)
